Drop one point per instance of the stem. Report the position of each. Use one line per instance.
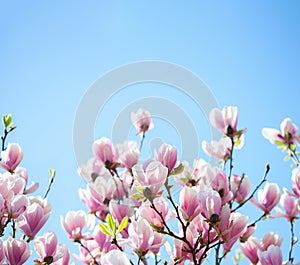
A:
(230, 168)
(257, 220)
(3, 138)
(293, 242)
(294, 156)
(49, 186)
(142, 141)
(264, 179)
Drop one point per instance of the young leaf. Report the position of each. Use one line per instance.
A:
(123, 224)
(105, 230)
(111, 223)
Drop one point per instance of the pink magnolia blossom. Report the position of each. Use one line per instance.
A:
(141, 236)
(16, 251)
(240, 187)
(211, 205)
(64, 251)
(92, 169)
(290, 205)
(22, 173)
(47, 247)
(142, 121)
(1, 251)
(149, 214)
(103, 241)
(250, 248)
(167, 155)
(271, 256)
(128, 154)
(249, 232)
(74, 223)
(36, 215)
(296, 182)
(189, 204)
(224, 120)
(17, 206)
(269, 239)
(106, 153)
(88, 252)
(219, 149)
(11, 157)
(267, 198)
(152, 178)
(287, 134)
(115, 257)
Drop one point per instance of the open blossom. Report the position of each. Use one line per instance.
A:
(269, 239)
(250, 248)
(152, 178)
(16, 251)
(219, 149)
(11, 157)
(128, 154)
(224, 120)
(167, 155)
(240, 187)
(35, 216)
(142, 121)
(287, 134)
(106, 153)
(290, 205)
(22, 173)
(296, 182)
(115, 257)
(271, 256)
(267, 198)
(74, 223)
(47, 248)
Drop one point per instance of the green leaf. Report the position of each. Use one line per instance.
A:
(105, 230)
(123, 224)
(52, 172)
(139, 189)
(136, 196)
(7, 120)
(111, 223)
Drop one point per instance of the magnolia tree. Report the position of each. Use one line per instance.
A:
(134, 214)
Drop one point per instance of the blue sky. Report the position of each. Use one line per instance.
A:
(248, 54)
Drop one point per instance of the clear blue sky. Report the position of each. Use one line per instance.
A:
(248, 53)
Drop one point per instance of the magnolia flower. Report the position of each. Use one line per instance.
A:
(106, 153)
(271, 256)
(219, 149)
(189, 204)
(11, 157)
(290, 205)
(267, 198)
(142, 121)
(167, 155)
(115, 257)
(240, 187)
(128, 154)
(224, 120)
(287, 134)
(296, 182)
(250, 248)
(16, 251)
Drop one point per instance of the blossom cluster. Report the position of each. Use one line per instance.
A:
(137, 215)
(23, 215)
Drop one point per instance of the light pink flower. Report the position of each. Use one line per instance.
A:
(267, 198)
(128, 154)
(224, 120)
(189, 203)
(270, 239)
(211, 205)
(250, 248)
(16, 251)
(240, 187)
(152, 178)
(11, 157)
(47, 248)
(290, 205)
(271, 256)
(88, 252)
(36, 215)
(92, 169)
(22, 173)
(18, 205)
(142, 121)
(296, 182)
(74, 223)
(65, 253)
(167, 155)
(115, 257)
(106, 153)
(219, 149)
(286, 135)
(1, 251)
(141, 236)
(149, 214)
(103, 241)
(249, 232)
